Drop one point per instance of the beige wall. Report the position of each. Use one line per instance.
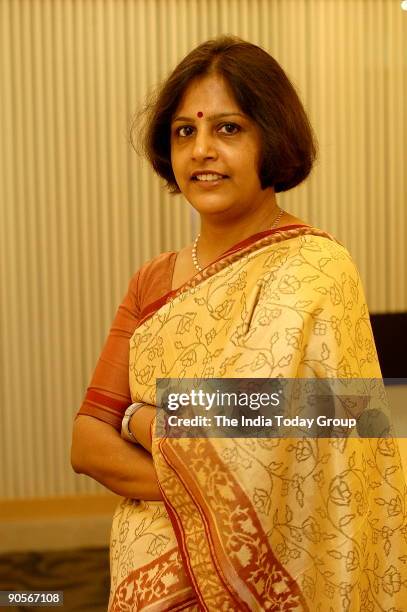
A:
(79, 211)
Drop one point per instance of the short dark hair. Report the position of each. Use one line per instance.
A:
(263, 92)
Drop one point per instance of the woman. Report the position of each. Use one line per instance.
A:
(241, 524)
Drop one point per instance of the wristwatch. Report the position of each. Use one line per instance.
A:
(126, 433)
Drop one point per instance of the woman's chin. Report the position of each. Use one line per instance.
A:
(212, 211)
(210, 203)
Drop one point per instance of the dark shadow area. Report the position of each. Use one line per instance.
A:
(83, 576)
(390, 334)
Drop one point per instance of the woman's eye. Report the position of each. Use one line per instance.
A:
(185, 130)
(230, 128)
(226, 128)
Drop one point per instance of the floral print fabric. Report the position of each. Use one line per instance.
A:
(264, 524)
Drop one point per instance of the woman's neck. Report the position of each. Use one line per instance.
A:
(216, 238)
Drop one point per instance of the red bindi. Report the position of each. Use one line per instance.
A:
(199, 114)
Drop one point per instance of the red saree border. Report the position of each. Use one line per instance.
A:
(258, 236)
(179, 534)
(175, 521)
(138, 598)
(177, 526)
(254, 242)
(215, 541)
(185, 606)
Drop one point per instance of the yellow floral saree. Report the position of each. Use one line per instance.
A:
(303, 524)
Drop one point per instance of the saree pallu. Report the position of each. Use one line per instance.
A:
(303, 524)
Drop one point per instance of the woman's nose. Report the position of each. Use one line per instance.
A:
(203, 146)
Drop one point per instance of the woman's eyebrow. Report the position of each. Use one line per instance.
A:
(210, 117)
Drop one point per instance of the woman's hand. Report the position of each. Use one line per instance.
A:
(124, 468)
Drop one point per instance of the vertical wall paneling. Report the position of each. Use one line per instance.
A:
(80, 211)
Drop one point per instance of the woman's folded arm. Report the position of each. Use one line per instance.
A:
(140, 425)
(124, 468)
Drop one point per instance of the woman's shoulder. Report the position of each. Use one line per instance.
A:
(153, 279)
(315, 239)
(305, 235)
(322, 241)
(159, 264)
(315, 247)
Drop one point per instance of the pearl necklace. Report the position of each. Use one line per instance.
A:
(195, 245)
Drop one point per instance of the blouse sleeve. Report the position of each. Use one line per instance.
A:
(108, 394)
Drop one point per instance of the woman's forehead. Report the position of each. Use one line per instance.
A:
(210, 94)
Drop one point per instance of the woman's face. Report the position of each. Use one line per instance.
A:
(215, 151)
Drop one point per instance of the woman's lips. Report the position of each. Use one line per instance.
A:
(209, 184)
